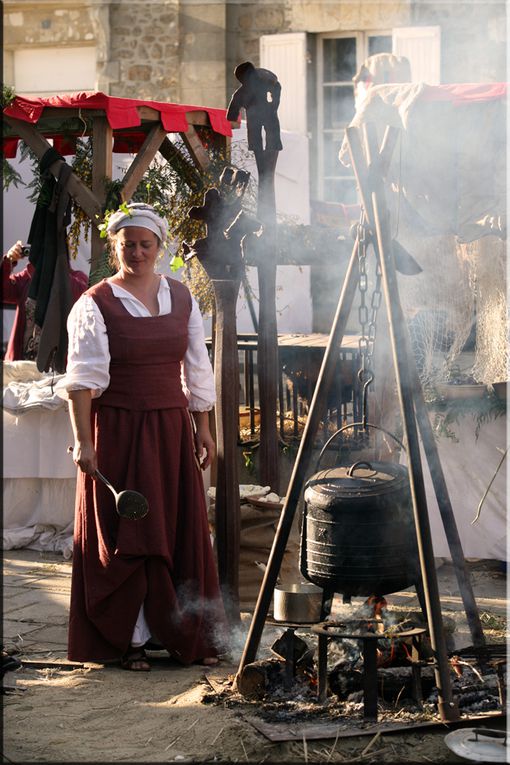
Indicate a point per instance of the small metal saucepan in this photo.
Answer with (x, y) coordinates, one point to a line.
(298, 603)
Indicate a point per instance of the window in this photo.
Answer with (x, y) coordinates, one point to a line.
(316, 73)
(45, 71)
(339, 58)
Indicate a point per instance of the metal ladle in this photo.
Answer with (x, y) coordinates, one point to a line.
(130, 504)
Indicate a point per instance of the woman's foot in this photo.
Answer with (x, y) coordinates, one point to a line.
(209, 661)
(135, 659)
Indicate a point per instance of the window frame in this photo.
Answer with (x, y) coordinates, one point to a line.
(362, 46)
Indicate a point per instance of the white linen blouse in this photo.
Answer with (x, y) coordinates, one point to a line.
(88, 355)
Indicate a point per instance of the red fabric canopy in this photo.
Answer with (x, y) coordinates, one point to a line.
(120, 113)
(462, 93)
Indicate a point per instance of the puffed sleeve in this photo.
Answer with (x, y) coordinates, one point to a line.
(88, 355)
(197, 372)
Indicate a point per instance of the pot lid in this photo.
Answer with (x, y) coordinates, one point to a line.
(360, 475)
(478, 744)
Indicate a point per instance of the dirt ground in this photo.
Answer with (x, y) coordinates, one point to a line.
(57, 712)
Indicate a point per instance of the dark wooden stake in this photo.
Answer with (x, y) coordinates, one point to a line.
(267, 348)
(365, 175)
(226, 373)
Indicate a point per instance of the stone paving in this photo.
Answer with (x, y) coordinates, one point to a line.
(36, 589)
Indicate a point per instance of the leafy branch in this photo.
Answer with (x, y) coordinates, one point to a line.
(482, 411)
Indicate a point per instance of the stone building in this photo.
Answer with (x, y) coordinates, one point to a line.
(186, 50)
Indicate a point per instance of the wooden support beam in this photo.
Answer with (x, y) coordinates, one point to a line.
(142, 161)
(196, 148)
(102, 145)
(84, 196)
(187, 172)
(102, 137)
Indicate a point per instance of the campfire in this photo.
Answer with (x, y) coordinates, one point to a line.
(375, 666)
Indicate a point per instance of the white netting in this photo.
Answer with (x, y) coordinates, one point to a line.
(486, 259)
(438, 304)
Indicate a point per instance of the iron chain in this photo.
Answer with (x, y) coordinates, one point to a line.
(367, 316)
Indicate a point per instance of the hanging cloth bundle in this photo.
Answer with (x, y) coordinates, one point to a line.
(50, 286)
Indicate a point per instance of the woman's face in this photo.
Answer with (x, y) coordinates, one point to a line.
(136, 249)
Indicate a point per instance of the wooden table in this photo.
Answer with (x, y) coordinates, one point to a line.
(300, 358)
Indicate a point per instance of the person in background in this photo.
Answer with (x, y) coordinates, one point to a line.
(23, 340)
(140, 388)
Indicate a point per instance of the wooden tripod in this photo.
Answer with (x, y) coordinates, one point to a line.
(370, 167)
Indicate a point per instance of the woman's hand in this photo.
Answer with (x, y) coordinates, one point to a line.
(15, 252)
(84, 453)
(204, 442)
(85, 457)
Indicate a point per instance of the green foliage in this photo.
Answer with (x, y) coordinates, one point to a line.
(10, 175)
(8, 95)
(249, 462)
(482, 410)
(81, 223)
(163, 186)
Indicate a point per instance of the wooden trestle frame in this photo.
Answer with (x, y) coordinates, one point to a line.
(69, 121)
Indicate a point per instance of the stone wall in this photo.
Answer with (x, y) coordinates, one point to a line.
(473, 38)
(202, 38)
(144, 49)
(186, 50)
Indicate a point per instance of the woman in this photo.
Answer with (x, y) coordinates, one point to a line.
(24, 338)
(137, 361)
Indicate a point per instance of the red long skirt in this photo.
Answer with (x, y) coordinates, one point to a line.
(164, 560)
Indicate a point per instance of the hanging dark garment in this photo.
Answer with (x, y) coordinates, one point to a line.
(51, 285)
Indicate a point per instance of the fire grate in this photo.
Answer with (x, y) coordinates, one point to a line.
(369, 632)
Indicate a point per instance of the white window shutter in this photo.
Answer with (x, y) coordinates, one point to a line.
(285, 55)
(422, 46)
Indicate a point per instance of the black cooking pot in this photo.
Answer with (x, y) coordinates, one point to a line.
(358, 533)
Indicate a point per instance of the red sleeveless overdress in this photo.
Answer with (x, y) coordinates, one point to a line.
(144, 441)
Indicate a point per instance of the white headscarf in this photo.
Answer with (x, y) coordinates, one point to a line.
(142, 215)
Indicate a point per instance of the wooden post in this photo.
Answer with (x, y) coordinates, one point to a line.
(222, 258)
(102, 143)
(87, 200)
(429, 444)
(227, 504)
(267, 349)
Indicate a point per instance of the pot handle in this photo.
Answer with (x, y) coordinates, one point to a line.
(352, 425)
(303, 545)
(353, 467)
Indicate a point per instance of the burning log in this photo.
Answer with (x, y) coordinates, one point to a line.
(260, 677)
(274, 676)
(392, 682)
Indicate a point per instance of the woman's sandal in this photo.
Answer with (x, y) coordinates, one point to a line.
(135, 656)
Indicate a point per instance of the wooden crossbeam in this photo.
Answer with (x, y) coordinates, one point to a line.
(196, 148)
(187, 172)
(84, 196)
(144, 157)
